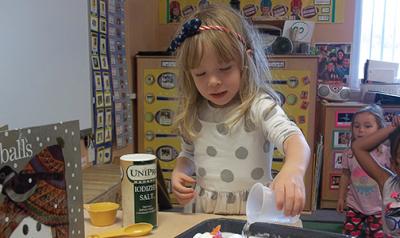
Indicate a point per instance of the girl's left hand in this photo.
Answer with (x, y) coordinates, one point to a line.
(289, 190)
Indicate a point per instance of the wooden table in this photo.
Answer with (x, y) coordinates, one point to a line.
(170, 224)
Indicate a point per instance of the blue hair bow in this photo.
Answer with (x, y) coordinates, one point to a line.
(190, 28)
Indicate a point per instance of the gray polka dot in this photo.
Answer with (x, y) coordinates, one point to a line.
(267, 114)
(214, 195)
(201, 193)
(257, 173)
(249, 125)
(211, 151)
(197, 126)
(241, 153)
(201, 172)
(231, 198)
(266, 147)
(222, 129)
(227, 176)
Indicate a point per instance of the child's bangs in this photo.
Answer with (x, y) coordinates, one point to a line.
(192, 52)
(226, 47)
(222, 43)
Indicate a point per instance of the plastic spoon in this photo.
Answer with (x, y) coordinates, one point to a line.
(138, 229)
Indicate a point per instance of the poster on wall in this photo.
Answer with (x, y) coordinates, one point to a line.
(389, 114)
(344, 118)
(341, 139)
(337, 159)
(334, 181)
(319, 11)
(334, 62)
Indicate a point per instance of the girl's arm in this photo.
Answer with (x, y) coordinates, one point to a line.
(361, 148)
(289, 183)
(343, 185)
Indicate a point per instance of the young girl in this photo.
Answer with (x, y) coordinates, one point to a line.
(363, 199)
(388, 180)
(229, 118)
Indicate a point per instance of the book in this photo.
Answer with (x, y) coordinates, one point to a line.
(40, 182)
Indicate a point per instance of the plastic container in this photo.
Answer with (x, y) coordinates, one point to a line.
(261, 207)
(102, 213)
(256, 229)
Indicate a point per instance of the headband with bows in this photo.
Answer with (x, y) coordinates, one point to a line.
(193, 27)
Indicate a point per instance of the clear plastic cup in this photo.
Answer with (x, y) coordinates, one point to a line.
(261, 207)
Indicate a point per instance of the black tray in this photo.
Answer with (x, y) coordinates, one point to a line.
(274, 230)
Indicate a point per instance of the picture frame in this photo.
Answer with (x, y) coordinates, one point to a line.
(98, 82)
(108, 134)
(341, 139)
(334, 181)
(344, 118)
(99, 136)
(100, 118)
(108, 117)
(95, 62)
(100, 155)
(94, 42)
(334, 60)
(103, 44)
(93, 6)
(103, 25)
(102, 8)
(94, 23)
(107, 155)
(107, 99)
(99, 99)
(106, 81)
(388, 116)
(104, 62)
(337, 157)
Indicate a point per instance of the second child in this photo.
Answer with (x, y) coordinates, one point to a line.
(387, 179)
(362, 199)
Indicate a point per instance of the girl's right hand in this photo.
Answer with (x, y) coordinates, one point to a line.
(340, 205)
(180, 183)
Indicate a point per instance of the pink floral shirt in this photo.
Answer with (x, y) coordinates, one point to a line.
(363, 194)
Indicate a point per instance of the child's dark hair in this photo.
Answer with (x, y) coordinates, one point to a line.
(375, 110)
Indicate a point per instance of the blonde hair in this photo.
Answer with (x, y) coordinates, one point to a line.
(255, 78)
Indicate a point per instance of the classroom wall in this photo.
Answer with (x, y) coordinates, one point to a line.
(44, 64)
(144, 33)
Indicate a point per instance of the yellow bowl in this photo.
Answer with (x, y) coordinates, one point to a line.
(102, 213)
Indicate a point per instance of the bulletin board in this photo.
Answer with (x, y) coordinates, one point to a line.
(319, 11)
(112, 106)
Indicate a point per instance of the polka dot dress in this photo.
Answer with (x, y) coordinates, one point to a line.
(229, 162)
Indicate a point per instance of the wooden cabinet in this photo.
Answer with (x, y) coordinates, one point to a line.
(336, 131)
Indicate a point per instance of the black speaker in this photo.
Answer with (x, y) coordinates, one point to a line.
(282, 46)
